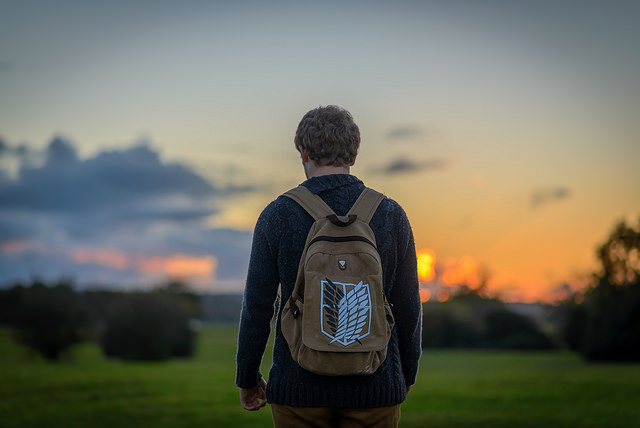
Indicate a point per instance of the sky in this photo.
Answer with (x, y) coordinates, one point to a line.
(140, 140)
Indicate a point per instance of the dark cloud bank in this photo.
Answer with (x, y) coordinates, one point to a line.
(126, 199)
(110, 180)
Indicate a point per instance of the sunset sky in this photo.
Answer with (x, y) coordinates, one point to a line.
(140, 140)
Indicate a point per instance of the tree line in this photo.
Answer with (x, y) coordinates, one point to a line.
(601, 323)
(604, 323)
(152, 325)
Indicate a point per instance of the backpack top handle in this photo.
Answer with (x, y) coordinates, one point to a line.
(363, 209)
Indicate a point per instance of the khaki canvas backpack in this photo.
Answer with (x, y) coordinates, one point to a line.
(338, 321)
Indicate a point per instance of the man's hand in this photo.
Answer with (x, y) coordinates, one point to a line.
(254, 398)
(409, 389)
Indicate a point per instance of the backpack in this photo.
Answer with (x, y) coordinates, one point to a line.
(338, 321)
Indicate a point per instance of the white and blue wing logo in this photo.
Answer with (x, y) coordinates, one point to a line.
(345, 315)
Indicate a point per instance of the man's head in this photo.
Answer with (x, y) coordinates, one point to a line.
(329, 136)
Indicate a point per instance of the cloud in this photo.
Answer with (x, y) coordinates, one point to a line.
(111, 181)
(403, 165)
(132, 257)
(548, 195)
(122, 217)
(5, 66)
(20, 151)
(196, 270)
(404, 132)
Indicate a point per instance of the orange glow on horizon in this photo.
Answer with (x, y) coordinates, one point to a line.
(443, 295)
(179, 266)
(426, 261)
(174, 266)
(461, 271)
(425, 295)
(109, 257)
(14, 247)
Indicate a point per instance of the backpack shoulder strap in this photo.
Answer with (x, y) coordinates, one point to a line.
(366, 204)
(311, 202)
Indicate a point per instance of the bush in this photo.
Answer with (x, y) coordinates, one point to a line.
(470, 321)
(148, 326)
(612, 331)
(441, 328)
(606, 325)
(508, 330)
(10, 302)
(49, 319)
(575, 325)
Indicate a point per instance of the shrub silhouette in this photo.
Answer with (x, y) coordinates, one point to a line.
(612, 330)
(575, 325)
(508, 330)
(441, 328)
(49, 320)
(10, 302)
(606, 325)
(471, 321)
(149, 326)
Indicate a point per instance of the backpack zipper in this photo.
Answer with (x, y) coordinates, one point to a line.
(342, 239)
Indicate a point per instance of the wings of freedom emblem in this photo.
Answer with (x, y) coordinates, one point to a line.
(345, 312)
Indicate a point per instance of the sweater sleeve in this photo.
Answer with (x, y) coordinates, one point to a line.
(406, 300)
(258, 301)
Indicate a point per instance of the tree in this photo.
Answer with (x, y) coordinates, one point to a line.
(508, 330)
(576, 319)
(10, 301)
(606, 325)
(620, 256)
(471, 321)
(149, 326)
(49, 320)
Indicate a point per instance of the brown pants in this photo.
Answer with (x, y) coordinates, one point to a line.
(326, 417)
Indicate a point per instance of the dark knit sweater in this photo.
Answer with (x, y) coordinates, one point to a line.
(278, 242)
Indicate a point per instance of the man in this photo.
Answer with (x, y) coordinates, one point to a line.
(328, 140)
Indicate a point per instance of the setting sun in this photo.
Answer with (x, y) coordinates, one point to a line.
(426, 265)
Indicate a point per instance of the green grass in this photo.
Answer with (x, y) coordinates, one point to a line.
(454, 388)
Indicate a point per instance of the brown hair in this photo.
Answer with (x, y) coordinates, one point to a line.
(329, 135)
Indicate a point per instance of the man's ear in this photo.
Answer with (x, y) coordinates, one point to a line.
(352, 163)
(304, 154)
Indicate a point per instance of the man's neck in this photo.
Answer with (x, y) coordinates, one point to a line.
(313, 170)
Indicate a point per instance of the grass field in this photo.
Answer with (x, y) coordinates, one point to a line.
(454, 388)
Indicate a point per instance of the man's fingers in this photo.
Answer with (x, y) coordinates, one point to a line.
(254, 404)
(254, 398)
(261, 399)
(261, 394)
(249, 402)
(250, 407)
